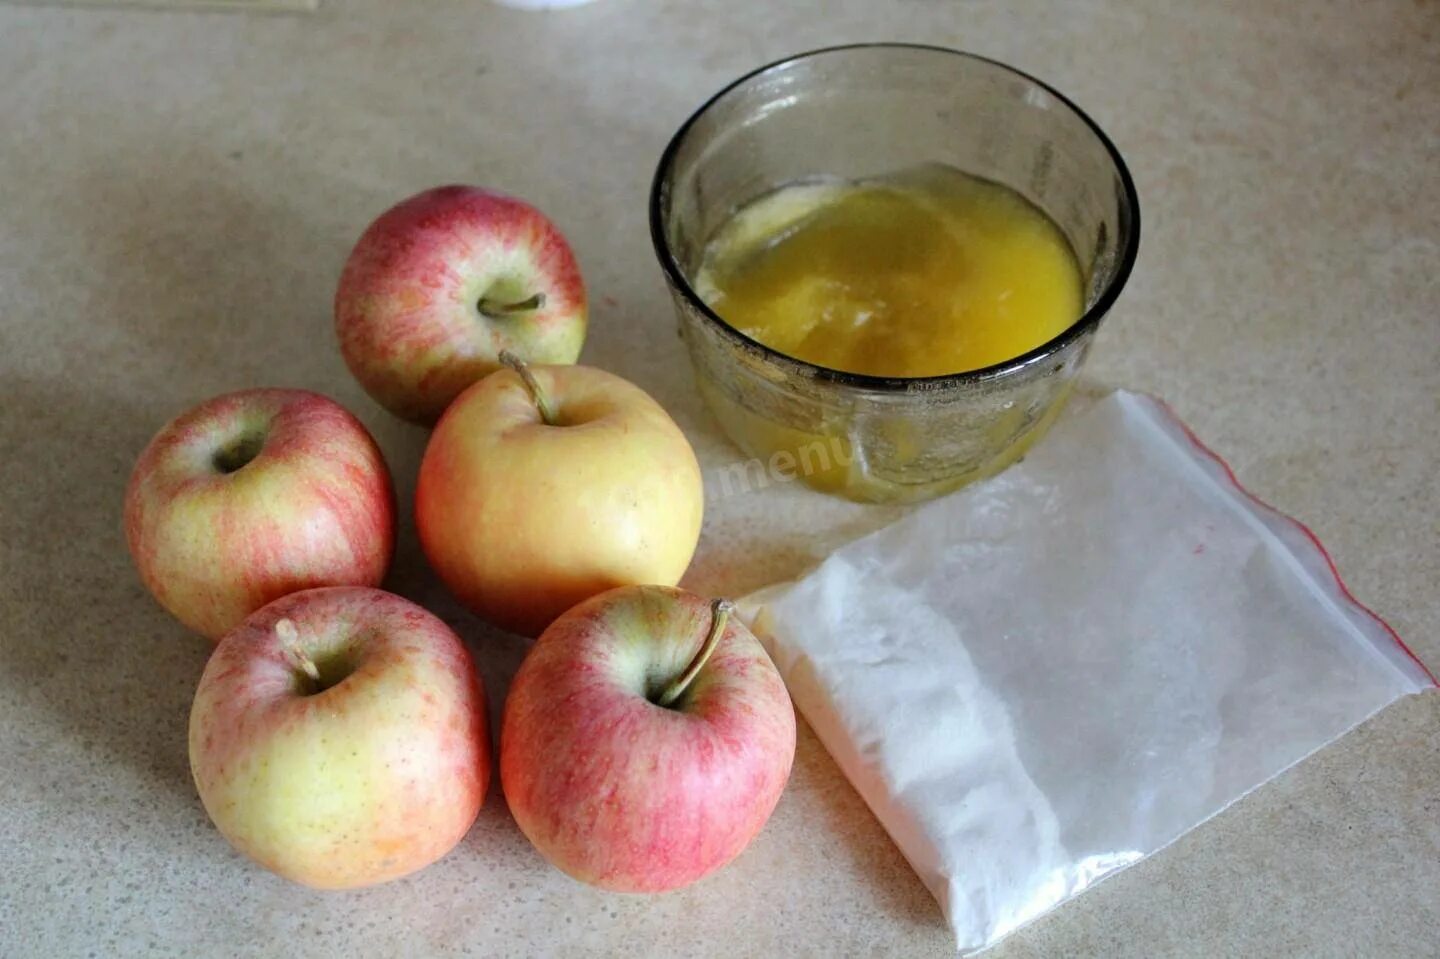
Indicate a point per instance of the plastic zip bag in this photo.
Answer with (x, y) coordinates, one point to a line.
(1044, 678)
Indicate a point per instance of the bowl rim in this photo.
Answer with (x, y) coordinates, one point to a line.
(1083, 325)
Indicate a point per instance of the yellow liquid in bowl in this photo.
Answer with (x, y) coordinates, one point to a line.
(922, 273)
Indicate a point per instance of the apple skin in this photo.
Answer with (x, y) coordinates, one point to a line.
(522, 519)
(627, 795)
(313, 507)
(407, 311)
(370, 779)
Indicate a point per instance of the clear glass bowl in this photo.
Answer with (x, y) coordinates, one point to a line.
(864, 111)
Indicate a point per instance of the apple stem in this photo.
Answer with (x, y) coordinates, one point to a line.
(498, 311)
(720, 610)
(542, 402)
(290, 642)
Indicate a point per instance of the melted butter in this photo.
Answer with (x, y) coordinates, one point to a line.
(921, 273)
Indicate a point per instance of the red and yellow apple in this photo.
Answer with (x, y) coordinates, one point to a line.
(338, 737)
(253, 495)
(544, 486)
(441, 283)
(646, 739)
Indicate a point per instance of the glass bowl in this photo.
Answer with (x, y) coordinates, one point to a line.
(865, 111)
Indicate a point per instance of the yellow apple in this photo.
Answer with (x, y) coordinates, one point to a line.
(338, 737)
(543, 486)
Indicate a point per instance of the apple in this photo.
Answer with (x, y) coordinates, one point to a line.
(338, 737)
(253, 495)
(542, 486)
(645, 740)
(441, 283)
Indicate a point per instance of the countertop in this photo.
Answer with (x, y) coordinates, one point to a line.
(178, 191)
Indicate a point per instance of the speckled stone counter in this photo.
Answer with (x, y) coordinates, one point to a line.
(179, 190)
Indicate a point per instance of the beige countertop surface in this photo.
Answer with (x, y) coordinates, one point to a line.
(178, 192)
